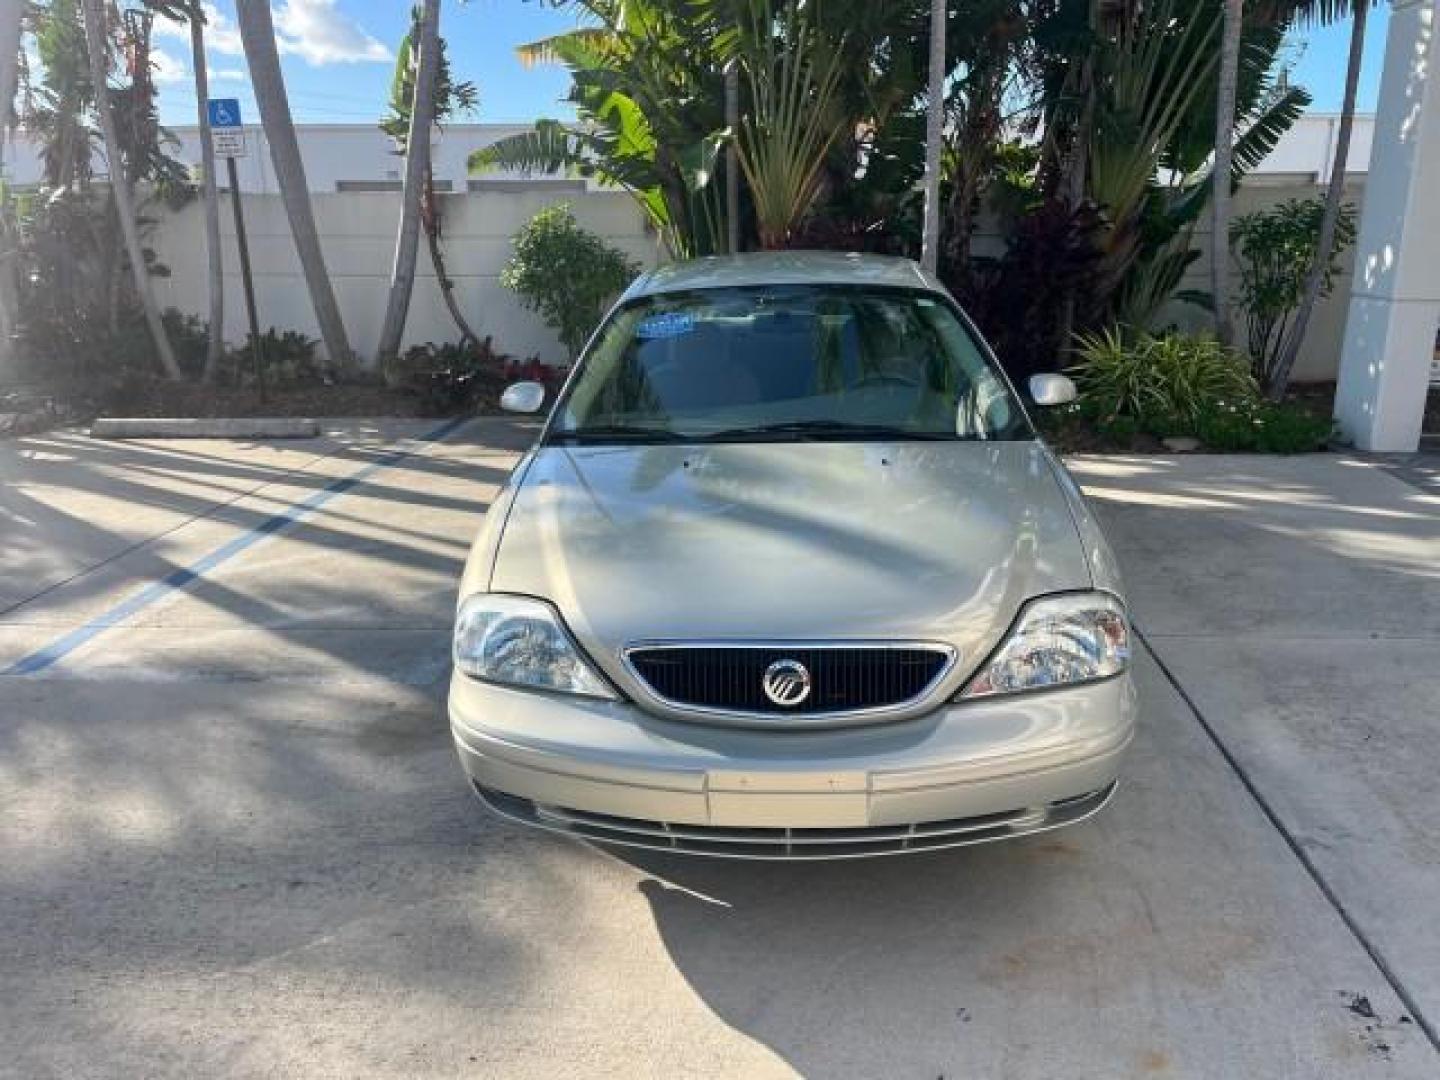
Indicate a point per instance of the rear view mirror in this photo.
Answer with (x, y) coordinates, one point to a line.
(523, 397)
(1052, 390)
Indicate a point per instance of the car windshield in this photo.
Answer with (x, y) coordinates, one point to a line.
(773, 364)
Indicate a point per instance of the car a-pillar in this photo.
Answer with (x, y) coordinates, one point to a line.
(1394, 311)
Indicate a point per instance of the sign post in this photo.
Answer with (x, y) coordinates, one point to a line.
(229, 140)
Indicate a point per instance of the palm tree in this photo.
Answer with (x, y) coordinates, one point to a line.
(215, 346)
(257, 34)
(9, 70)
(1224, 148)
(1327, 10)
(95, 42)
(448, 98)
(934, 136)
(418, 63)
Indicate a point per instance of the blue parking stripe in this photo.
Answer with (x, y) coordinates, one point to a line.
(181, 579)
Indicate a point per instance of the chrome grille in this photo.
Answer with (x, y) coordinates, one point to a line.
(729, 678)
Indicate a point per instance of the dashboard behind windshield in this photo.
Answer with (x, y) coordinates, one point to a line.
(773, 363)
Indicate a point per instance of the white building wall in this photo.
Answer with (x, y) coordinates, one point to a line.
(358, 232)
(358, 237)
(333, 154)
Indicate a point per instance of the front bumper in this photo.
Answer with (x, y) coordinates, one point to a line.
(964, 773)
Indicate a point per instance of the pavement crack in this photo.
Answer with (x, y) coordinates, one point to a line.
(1377, 957)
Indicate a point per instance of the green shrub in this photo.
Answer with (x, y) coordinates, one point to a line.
(566, 273)
(1263, 428)
(1161, 383)
(189, 339)
(289, 358)
(449, 378)
(1274, 249)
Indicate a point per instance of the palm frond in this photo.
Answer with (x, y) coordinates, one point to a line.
(560, 48)
(549, 148)
(1265, 131)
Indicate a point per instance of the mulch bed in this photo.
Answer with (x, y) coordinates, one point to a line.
(31, 409)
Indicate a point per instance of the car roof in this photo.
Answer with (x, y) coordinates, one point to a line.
(784, 268)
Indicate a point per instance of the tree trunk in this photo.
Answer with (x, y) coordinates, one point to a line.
(1220, 176)
(214, 254)
(1334, 194)
(437, 260)
(934, 137)
(417, 160)
(732, 166)
(120, 184)
(9, 71)
(257, 33)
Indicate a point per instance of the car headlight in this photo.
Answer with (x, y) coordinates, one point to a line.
(518, 641)
(1057, 641)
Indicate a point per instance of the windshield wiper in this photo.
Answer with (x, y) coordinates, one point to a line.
(620, 432)
(823, 429)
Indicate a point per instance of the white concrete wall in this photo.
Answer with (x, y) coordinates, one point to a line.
(358, 231)
(333, 154)
(358, 236)
(1319, 358)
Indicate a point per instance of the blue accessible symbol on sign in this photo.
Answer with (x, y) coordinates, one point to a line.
(224, 112)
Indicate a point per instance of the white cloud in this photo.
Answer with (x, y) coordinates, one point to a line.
(319, 33)
(221, 35)
(221, 74)
(166, 69)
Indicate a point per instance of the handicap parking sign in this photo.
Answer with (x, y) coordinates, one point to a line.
(224, 112)
(226, 132)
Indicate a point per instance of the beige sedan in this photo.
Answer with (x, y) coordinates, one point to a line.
(788, 574)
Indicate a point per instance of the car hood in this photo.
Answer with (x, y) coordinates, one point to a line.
(913, 541)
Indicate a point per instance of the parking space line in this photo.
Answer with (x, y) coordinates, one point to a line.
(57, 650)
(1372, 950)
(138, 544)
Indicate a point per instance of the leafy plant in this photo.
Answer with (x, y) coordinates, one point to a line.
(450, 377)
(647, 84)
(1263, 428)
(289, 357)
(566, 273)
(784, 137)
(1275, 248)
(1164, 383)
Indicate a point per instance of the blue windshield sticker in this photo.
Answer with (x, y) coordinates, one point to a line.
(670, 324)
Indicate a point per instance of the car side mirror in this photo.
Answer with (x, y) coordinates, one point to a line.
(523, 397)
(1052, 390)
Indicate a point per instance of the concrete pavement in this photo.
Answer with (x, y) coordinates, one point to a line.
(1298, 602)
(234, 841)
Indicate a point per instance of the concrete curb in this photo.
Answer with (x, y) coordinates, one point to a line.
(264, 427)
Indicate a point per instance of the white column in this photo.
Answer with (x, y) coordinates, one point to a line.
(1395, 299)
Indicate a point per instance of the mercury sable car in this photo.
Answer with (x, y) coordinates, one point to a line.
(788, 574)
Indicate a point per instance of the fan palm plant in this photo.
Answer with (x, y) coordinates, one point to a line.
(793, 72)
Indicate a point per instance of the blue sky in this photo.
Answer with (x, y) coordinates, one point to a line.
(337, 59)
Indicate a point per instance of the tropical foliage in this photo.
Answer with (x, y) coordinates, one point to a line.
(1275, 249)
(1161, 382)
(566, 273)
(1084, 131)
(77, 294)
